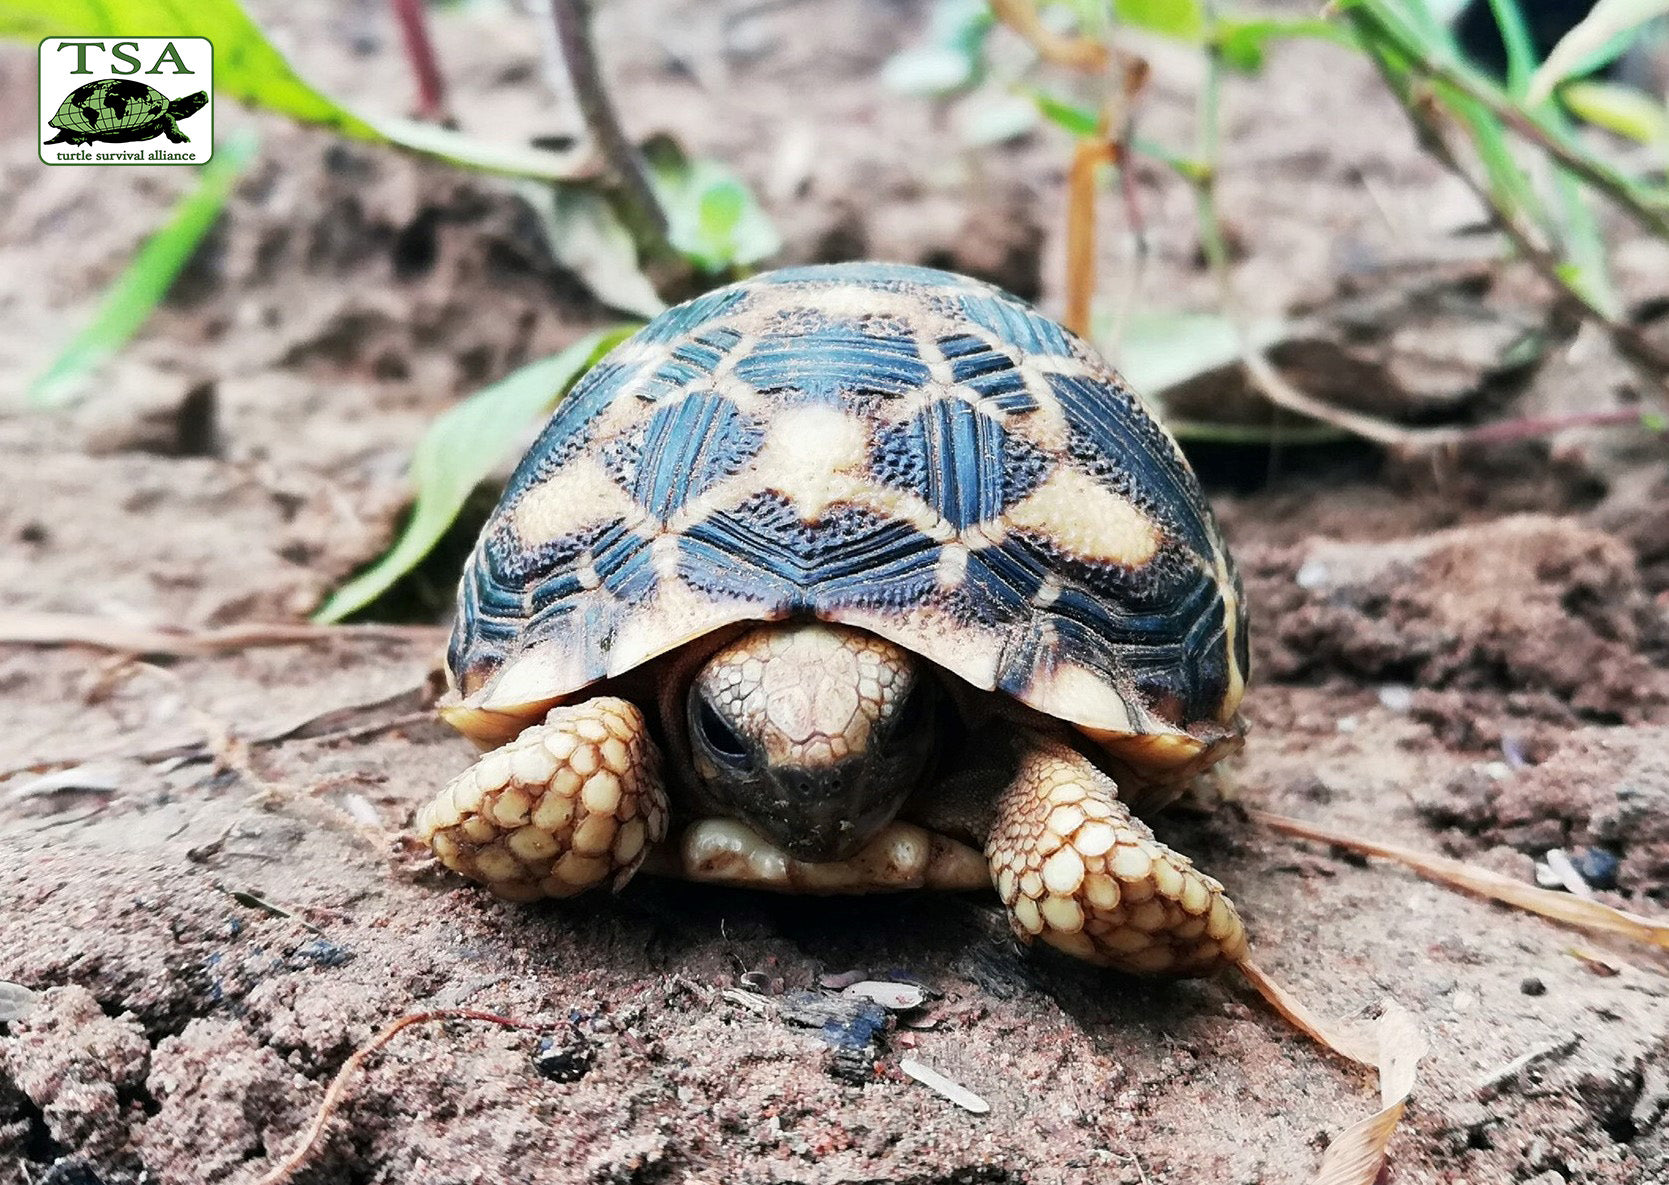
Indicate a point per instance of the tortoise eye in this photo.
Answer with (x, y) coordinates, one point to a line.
(721, 739)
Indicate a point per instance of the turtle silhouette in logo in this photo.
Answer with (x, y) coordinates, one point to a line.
(119, 110)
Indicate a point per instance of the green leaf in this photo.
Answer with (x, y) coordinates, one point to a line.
(1156, 351)
(250, 68)
(952, 56)
(1621, 109)
(1181, 19)
(460, 449)
(1078, 121)
(1609, 19)
(930, 71)
(586, 236)
(986, 119)
(142, 285)
(1515, 39)
(713, 219)
(1243, 43)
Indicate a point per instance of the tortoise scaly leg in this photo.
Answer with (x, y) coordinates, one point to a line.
(567, 805)
(1077, 870)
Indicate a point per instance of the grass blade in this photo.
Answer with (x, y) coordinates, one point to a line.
(458, 452)
(1515, 39)
(141, 287)
(1608, 20)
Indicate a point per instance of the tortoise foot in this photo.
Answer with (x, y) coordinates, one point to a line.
(1077, 870)
(565, 806)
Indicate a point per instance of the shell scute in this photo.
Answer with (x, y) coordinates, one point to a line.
(902, 450)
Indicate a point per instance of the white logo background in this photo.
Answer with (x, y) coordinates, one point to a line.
(176, 66)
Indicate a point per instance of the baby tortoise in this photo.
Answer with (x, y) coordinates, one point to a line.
(848, 579)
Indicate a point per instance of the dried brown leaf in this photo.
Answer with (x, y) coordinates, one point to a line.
(1394, 1048)
(1079, 53)
(1356, 1154)
(1589, 915)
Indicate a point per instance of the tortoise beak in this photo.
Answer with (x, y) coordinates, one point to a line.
(826, 813)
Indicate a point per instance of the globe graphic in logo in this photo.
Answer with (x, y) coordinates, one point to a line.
(119, 110)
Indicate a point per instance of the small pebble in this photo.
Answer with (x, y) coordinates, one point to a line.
(563, 1057)
(16, 1001)
(1531, 986)
(899, 997)
(1396, 697)
(1597, 866)
(952, 1090)
(1313, 574)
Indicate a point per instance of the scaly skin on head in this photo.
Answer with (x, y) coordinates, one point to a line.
(814, 734)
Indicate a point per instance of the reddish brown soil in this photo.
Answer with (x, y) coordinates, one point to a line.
(1466, 654)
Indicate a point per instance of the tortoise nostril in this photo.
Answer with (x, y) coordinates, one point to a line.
(822, 785)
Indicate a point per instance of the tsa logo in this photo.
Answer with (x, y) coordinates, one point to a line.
(127, 101)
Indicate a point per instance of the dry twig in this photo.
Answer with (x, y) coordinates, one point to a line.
(1562, 907)
(572, 19)
(338, 1090)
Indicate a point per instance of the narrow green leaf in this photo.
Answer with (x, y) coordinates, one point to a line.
(930, 71)
(250, 68)
(460, 449)
(1157, 351)
(586, 236)
(1609, 19)
(1181, 19)
(142, 285)
(1077, 121)
(1515, 38)
(950, 58)
(987, 119)
(1623, 110)
(1244, 42)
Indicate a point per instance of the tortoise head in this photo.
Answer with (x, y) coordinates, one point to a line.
(814, 734)
(188, 104)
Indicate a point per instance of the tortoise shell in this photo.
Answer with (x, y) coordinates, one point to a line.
(108, 105)
(898, 449)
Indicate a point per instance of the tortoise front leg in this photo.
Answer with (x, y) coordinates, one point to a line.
(567, 805)
(1077, 870)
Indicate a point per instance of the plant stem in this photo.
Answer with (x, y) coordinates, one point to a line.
(1627, 338)
(1650, 211)
(420, 52)
(573, 38)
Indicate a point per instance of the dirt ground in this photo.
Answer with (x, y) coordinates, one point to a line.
(1466, 654)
